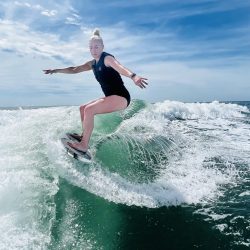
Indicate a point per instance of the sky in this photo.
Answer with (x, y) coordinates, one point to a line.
(190, 51)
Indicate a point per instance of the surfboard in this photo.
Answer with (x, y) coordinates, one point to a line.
(83, 157)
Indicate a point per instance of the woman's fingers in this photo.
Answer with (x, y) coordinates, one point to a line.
(144, 82)
(141, 85)
(141, 82)
(48, 71)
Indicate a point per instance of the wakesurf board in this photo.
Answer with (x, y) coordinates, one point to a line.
(74, 153)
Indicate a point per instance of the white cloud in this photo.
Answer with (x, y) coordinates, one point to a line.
(37, 7)
(73, 20)
(19, 38)
(22, 40)
(28, 5)
(168, 61)
(181, 8)
(49, 13)
(218, 6)
(169, 73)
(127, 47)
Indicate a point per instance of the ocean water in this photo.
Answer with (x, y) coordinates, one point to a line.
(168, 175)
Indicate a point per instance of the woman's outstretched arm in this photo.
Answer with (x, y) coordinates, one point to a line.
(138, 80)
(70, 70)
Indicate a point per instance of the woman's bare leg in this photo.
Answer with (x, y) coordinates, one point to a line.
(82, 108)
(104, 105)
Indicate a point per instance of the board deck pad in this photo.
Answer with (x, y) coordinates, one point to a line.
(69, 135)
(84, 157)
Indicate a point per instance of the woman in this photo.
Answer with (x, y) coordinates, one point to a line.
(107, 71)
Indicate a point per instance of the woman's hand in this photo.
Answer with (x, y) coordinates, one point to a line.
(49, 71)
(140, 81)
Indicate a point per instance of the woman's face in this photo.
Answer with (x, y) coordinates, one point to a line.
(96, 48)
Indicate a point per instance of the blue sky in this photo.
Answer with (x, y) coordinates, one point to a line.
(192, 50)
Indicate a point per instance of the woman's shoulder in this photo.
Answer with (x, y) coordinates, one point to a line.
(108, 60)
(106, 54)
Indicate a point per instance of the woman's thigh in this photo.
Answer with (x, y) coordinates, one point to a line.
(107, 104)
(90, 102)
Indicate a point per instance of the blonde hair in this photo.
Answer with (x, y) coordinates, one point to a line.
(96, 36)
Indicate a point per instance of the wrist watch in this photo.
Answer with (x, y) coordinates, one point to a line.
(132, 75)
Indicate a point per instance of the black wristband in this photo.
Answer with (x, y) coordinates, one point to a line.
(132, 75)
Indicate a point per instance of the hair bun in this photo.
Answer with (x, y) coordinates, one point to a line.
(96, 32)
(96, 36)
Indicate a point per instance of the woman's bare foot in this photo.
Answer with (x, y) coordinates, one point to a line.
(76, 136)
(78, 146)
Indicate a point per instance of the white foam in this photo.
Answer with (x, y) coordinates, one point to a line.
(221, 227)
(25, 216)
(246, 193)
(173, 109)
(183, 179)
(186, 179)
(202, 161)
(71, 237)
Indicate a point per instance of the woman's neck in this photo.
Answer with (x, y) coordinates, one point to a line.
(97, 59)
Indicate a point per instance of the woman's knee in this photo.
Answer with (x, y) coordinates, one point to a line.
(82, 107)
(89, 111)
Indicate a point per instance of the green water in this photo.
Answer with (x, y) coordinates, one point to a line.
(169, 175)
(107, 225)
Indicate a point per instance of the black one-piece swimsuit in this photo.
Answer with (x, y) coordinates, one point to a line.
(109, 79)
